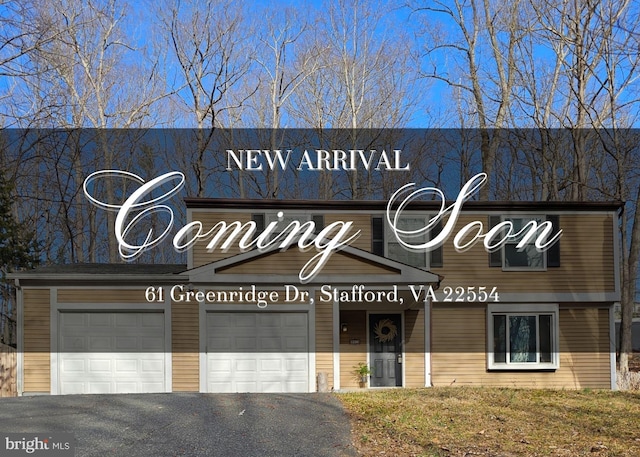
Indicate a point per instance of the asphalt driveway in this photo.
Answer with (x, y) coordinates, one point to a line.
(187, 424)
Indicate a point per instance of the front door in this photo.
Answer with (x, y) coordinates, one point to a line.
(385, 350)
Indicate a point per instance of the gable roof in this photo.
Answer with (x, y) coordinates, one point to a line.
(347, 266)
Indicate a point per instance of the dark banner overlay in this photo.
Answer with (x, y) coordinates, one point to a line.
(69, 185)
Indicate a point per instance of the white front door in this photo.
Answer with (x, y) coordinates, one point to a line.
(257, 352)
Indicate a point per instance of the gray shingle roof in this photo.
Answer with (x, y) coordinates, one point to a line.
(106, 268)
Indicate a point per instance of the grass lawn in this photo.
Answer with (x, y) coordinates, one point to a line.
(462, 421)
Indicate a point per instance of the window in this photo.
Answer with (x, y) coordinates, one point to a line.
(523, 337)
(263, 220)
(527, 258)
(385, 244)
(396, 251)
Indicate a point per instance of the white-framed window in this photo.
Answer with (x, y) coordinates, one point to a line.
(385, 244)
(523, 337)
(286, 219)
(528, 257)
(400, 253)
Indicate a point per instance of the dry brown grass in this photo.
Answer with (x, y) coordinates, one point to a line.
(460, 421)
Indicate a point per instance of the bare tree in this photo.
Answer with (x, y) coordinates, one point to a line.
(359, 86)
(490, 29)
(207, 43)
(86, 74)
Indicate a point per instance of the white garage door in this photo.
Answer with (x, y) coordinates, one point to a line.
(257, 352)
(111, 353)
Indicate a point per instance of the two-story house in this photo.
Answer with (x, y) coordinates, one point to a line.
(234, 321)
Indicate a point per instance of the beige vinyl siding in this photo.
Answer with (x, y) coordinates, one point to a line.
(37, 347)
(185, 347)
(324, 339)
(414, 348)
(459, 350)
(107, 295)
(209, 219)
(361, 222)
(291, 261)
(352, 354)
(586, 259)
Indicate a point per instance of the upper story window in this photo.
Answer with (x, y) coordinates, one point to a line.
(528, 258)
(384, 242)
(396, 251)
(264, 219)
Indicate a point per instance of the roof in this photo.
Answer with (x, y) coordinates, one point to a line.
(89, 273)
(381, 205)
(105, 268)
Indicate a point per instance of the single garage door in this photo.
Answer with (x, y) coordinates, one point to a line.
(257, 352)
(111, 352)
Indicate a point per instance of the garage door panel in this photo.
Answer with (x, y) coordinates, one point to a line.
(73, 320)
(153, 320)
(125, 387)
(100, 343)
(126, 366)
(245, 365)
(126, 343)
(295, 344)
(71, 388)
(111, 352)
(217, 320)
(100, 365)
(73, 366)
(218, 344)
(261, 352)
(96, 387)
(295, 386)
(296, 365)
(244, 320)
(296, 320)
(124, 320)
(270, 344)
(274, 365)
(269, 320)
(155, 344)
(152, 366)
(100, 320)
(244, 343)
(73, 344)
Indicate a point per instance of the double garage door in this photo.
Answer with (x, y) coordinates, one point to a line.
(257, 352)
(124, 352)
(111, 352)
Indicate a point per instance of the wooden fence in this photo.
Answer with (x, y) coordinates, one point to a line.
(8, 371)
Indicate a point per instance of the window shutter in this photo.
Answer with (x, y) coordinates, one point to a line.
(318, 220)
(553, 253)
(377, 236)
(259, 220)
(495, 257)
(436, 259)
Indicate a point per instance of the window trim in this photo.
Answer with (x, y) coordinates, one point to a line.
(524, 310)
(503, 253)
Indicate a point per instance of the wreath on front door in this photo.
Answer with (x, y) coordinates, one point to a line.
(385, 330)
